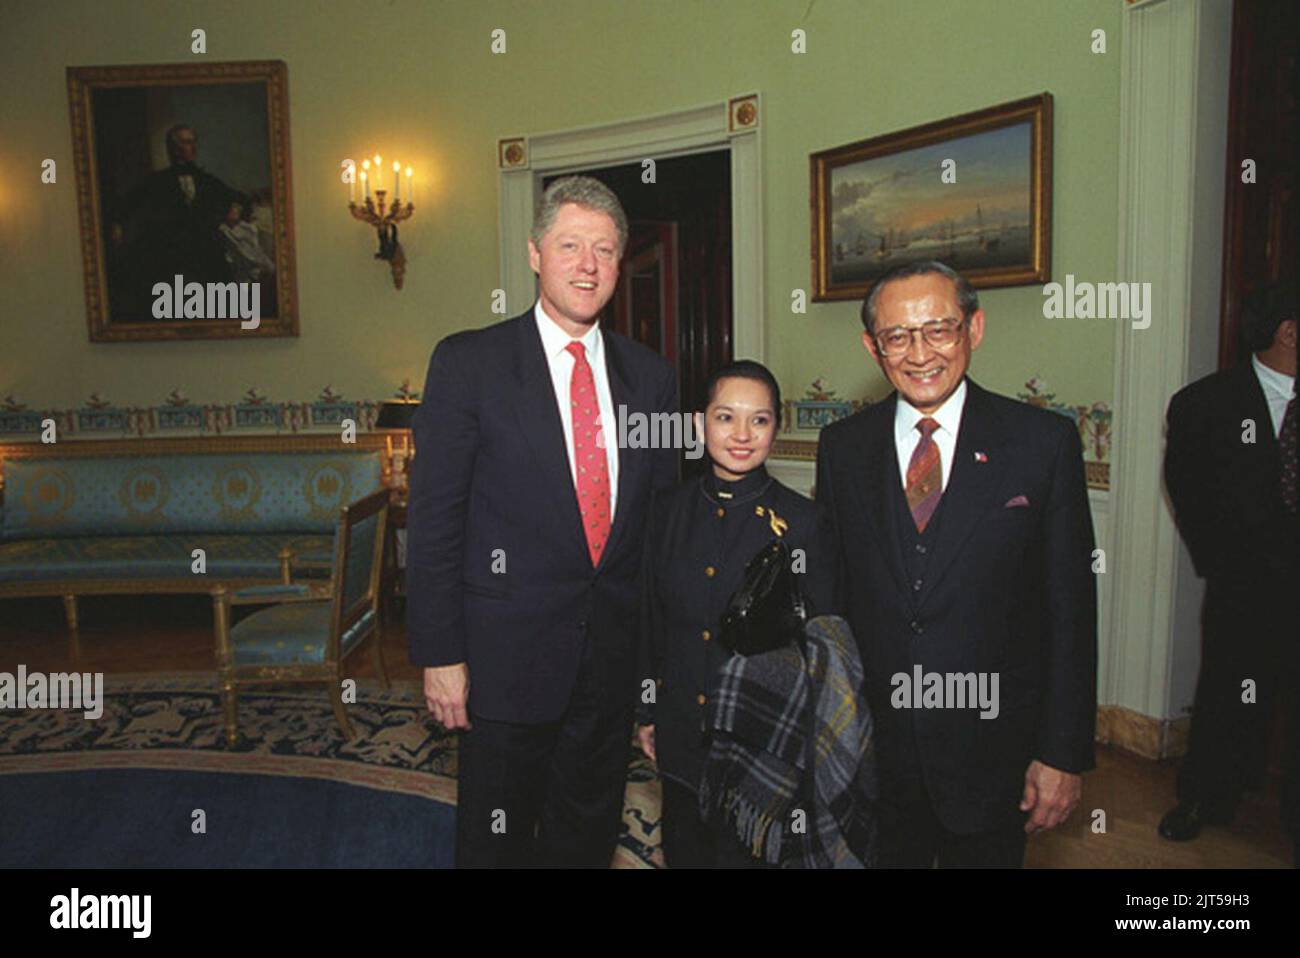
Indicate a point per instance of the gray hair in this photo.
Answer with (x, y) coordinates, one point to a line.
(585, 192)
(967, 300)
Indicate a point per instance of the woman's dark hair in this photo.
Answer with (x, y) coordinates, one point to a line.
(746, 369)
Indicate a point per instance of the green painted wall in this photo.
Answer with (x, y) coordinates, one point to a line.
(417, 81)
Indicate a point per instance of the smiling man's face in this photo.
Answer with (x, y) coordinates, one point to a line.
(924, 376)
(577, 266)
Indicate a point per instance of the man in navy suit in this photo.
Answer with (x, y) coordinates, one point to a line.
(525, 527)
(1230, 467)
(966, 550)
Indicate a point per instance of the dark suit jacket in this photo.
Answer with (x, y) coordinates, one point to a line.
(1007, 590)
(491, 481)
(1227, 493)
(175, 236)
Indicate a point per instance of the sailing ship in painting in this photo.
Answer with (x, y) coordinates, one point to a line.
(891, 241)
(896, 209)
(986, 241)
(967, 239)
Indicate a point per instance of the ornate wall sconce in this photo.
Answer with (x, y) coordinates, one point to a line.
(382, 217)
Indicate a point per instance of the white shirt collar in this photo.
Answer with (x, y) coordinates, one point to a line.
(1280, 384)
(948, 416)
(555, 341)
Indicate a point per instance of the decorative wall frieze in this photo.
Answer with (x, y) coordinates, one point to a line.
(177, 415)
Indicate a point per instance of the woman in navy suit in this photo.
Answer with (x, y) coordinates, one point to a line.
(699, 538)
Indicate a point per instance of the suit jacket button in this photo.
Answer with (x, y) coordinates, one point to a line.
(709, 570)
(700, 698)
(721, 512)
(917, 627)
(706, 635)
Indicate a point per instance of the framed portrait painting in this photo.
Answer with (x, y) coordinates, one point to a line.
(974, 191)
(185, 200)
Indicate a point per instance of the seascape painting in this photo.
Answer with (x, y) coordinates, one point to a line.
(969, 193)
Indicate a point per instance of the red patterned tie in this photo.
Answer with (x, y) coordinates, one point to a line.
(593, 469)
(924, 476)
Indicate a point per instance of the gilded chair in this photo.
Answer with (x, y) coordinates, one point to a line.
(309, 629)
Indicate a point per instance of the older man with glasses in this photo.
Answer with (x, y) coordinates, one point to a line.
(965, 545)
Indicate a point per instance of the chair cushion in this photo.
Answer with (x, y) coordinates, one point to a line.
(149, 557)
(294, 633)
(199, 492)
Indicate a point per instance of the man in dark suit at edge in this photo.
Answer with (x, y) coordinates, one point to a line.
(525, 528)
(1230, 468)
(966, 548)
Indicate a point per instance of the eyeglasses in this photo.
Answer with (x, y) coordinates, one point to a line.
(897, 340)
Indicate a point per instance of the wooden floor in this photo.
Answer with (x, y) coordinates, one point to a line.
(174, 633)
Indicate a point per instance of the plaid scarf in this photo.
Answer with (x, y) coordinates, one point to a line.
(791, 765)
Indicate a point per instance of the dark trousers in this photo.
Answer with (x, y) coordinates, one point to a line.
(911, 836)
(689, 843)
(1247, 633)
(547, 794)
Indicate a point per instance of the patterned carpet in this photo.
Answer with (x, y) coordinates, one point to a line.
(167, 721)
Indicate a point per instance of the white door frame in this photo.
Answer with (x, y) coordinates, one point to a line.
(731, 125)
(1173, 121)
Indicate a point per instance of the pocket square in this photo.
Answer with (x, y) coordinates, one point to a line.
(1017, 502)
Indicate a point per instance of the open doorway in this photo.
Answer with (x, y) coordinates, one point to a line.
(674, 289)
(1262, 217)
(723, 132)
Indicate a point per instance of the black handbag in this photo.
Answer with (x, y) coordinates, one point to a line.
(768, 611)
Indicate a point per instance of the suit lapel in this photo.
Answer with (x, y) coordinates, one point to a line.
(971, 484)
(875, 460)
(630, 462)
(539, 420)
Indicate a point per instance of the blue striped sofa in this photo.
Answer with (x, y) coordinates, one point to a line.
(88, 517)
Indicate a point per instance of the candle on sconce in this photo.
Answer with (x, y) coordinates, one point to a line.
(352, 188)
(384, 210)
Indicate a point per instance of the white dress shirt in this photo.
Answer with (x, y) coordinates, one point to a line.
(555, 342)
(1278, 390)
(907, 437)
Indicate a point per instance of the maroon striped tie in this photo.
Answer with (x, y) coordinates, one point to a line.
(924, 476)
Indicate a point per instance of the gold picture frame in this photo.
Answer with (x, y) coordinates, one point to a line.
(974, 191)
(148, 208)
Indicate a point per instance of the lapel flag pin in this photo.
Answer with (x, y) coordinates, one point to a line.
(981, 457)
